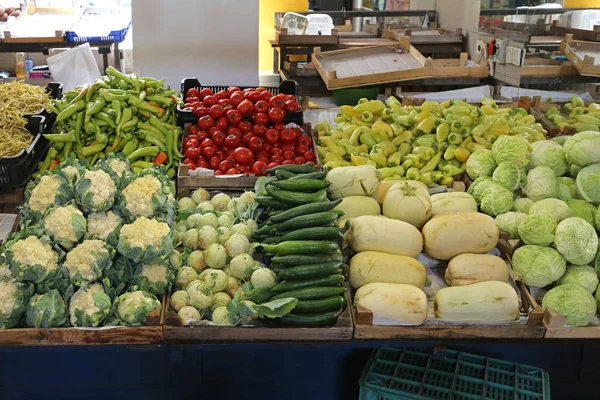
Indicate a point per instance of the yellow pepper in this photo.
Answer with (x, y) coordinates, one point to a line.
(480, 129)
(432, 163)
(379, 158)
(437, 176)
(389, 172)
(461, 154)
(412, 173)
(407, 164)
(348, 111)
(332, 146)
(426, 178)
(449, 153)
(367, 139)
(447, 180)
(395, 159)
(417, 160)
(500, 129)
(335, 164)
(355, 136)
(373, 106)
(384, 127)
(482, 141)
(359, 160)
(442, 132)
(426, 125)
(473, 147)
(404, 137)
(488, 110)
(465, 142)
(334, 157)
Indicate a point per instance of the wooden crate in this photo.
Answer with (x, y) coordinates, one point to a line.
(539, 110)
(187, 183)
(458, 68)
(425, 36)
(554, 322)
(372, 76)
(282, 37)
(579, 34)
(11, 199)
(534, 329)
(149, 334)
(174, 332)
(585, 56)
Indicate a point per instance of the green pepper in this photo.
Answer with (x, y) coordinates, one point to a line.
(154, 140)
(169, 146)
(96, 106)
(176, 133)
(171, 173)
(53, 108)
(70, 110)
(62, 137)
(129, 125)
(142, 164)
(116, 106)
(52, 154)
(80, 95)
(93, 149)
(151, 151)
(101, 137)
(126, 139)
(79, 126)
(114, 73)
(165, 101)
(102, 116)
(366, 139)
(130, 147)
(67, 150)
(125, 118)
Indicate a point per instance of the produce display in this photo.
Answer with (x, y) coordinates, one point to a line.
(117, 113)
(16, 100)
(576, 116)
(429, 143)
(95, 247)
(241, 132)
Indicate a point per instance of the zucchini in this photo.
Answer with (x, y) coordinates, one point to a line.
(311, 293)
(295, 198)
(283, 175)
(319, 233)
(310, 271)
(268, 201)
(312, 175)
(301, 185)
(293, 168)
(334, 303)
(290, 261)
(308, 221)
(304, 209)
(303, 247)
(331, 280)
(311, 319)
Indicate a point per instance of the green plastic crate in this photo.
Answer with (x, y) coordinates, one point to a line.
(350, 96)
(418, 374)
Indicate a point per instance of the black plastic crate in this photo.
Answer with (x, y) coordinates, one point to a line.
(55, 91)
(16, 171)
(286, 87)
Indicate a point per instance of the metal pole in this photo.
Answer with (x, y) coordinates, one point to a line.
(357, 21)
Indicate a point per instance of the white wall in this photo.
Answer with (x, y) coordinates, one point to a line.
(214, 40)
(455, 14)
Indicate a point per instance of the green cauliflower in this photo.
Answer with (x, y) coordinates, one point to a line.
(133, 307)
(89, 306)
(46, 310)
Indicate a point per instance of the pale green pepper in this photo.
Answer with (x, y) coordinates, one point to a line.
(395, 159)
(389, 172)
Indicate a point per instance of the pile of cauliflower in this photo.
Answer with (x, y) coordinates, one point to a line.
(95, 247)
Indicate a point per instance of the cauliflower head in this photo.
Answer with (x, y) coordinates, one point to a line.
(32, 260)
(46, 310)
(145, 239)
(104, 225)
(118, 277)
(95, 191)
(155, 278)
(133, 307)
(147, 194)
(46, 191)
(86, 262)
(14, 297)
(66, 225)
(89, 306)
(116, 165)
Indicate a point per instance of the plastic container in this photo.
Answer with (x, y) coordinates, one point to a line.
(55, 91)
(16, 171)
(21, 72)
(418, 374)
(350, 96)
(295, 24)
(286, 87)
(319, 24)
(116, 23)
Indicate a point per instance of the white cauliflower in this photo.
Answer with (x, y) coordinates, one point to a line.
(138, 195)
(89, 306)
(102, 188)
(131, 303)
(44, 194)
(59, 223)
(120, 167)
(84, 262)
(31, 251)
(72, 172)
(145, 232)
(8, 291)
(101, 224)
(155, 272)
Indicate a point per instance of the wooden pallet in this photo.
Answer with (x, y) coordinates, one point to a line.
(458, 68)
(534, 329)
(582, 55)
(371, 77)
(282, 37)
(174, 332)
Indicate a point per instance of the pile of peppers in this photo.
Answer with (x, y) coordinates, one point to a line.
(430, 143)
(117, 113)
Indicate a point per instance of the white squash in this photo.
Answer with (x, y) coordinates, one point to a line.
(444, 203)
(372, 266)
(372, 233)
(448, 235)
(402, 303)
(361, 180)
(484, 301)
(384, 187)
(408, 201)
(466, 269)
(356, 206)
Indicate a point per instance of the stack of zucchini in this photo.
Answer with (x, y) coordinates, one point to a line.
(301, 243)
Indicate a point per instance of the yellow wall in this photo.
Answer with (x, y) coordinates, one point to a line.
(266, 15)
(581, 3)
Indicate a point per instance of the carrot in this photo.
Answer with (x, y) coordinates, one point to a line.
(53, 164)
(160, 158)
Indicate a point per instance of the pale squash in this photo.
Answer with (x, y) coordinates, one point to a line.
(373, 266)
(384, 187)
(408, 201)
(356, 206)
(444, 203)
(448, 235)
(469, 268)
(403, 303)
(360, 180)
(483, 301)
(372, 233)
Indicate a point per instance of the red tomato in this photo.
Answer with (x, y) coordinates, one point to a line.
(246, 138)
(187, 161)
(278, 101)
(245, 126)
(287, 162)
(222, 124)
(192, 99)
(262, 154)
(276, 115)
(213, 130)
(234, 117)
(202, 164)
(233, 89)
(255, 144)
(291, 97)
(205, 92)
(221, 154)
(309, 156)
(200, 111)
(243, 156)
(202, 135)
(206, 143)
(304, 141)
(261, 119)
(236, 98)
(208, 152)
(279, 127)
(261, 106)
(299, 160)
(206, 122)
(272, 136)
(259, 130)
(254, 96)
(221, 95)
(277, 159)
(267, 147)
(260, 89)
(187, 106)
(225, 165)
(192, 92)
(227, 107)
(214, 162)
(300, 150)
(245, 107)
(272, 164)
(233, 171)
(224, 102)
(232, 141)
(289, 155)
(234, 131)
(276, 151)
(245, 169)
(266, 95)
(292, 105)
(218, 172)
(197, 104)
(287, 147)
(259, 168)
(192, 153)
(191, 167)
(193, 130)
(191, 142)
(229, 154)
(287, 136)
(265, 160)
(219, 138)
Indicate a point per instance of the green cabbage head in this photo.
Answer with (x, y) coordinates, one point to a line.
(522, 204)
(583, 275)
(576, 240)
(541, 184)
(557, 209)
(582, 209)
(478, 187)
(509, 222)
(46, 310)
(481, 163)
(549, 154)
(572, 301)
(583, 148)
(537, 229)
(512, 148)
(538, 266)
(587, 183)
(496, 200)
(511, 175)
(567, 188)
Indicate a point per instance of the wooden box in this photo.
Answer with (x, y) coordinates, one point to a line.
(585, 56)
(282, 37)
(458, 68)
(539, 110)
(370, 65)
(425, 36)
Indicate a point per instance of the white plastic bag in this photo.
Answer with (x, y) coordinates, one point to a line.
(74, 67)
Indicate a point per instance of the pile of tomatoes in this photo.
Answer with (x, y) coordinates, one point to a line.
(241, 132)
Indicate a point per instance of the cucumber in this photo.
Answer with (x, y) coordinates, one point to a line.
(268, 201)
(283, 175)
(303, 247)
(272, 240)
(311, 319)
(307, 221)
(304, 210)
(310, 271)
(331, 280)
(290, 261)
(301, 185)
(258, 295)
(320, 233)
(345, 268)
(311, 293)
(266, 230)
(312, 175)
(275, 212)
(334, 303)
(293, 168)
(295, 198)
